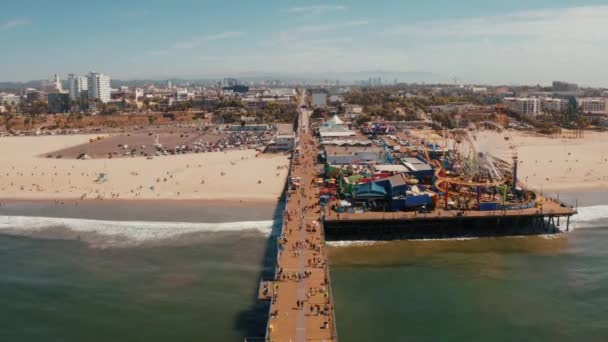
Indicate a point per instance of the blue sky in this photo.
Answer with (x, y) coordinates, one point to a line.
(511, 41)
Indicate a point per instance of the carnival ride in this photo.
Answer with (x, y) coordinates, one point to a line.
(468, 170)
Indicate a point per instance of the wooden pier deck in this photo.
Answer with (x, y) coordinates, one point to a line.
(302, 307)
(546, 207)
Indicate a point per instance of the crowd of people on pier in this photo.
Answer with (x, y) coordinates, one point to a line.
(302, 243)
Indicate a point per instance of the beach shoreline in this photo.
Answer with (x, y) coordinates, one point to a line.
(235, 175)
(206, 211)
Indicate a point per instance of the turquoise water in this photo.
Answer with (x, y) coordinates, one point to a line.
(510, 289)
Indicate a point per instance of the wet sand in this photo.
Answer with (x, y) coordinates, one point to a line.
(144, 210)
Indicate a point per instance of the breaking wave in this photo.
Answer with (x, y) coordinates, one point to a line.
(353, 243)
(590, 217)
(123, 233)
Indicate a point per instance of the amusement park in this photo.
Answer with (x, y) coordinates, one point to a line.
(381, 170)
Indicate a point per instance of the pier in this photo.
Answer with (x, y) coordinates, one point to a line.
(548, 216)
(301, 301)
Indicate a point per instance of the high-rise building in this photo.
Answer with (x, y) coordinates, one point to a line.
(99, 87)
(76, 85)
(564, 86)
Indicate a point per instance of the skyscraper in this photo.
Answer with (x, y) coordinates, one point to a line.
(99, 87)
(76, 85)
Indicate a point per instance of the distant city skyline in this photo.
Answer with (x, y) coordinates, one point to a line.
(515, 42)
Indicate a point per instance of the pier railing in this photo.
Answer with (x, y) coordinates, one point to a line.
(278, 255)
(333, 327)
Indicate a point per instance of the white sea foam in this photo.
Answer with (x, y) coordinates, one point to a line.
(360, 243)
(353, 243)
(589, 217)
(126, 232)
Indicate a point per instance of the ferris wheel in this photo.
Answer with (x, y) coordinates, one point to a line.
(473, 163)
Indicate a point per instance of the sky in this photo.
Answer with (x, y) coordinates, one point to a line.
(477, 41)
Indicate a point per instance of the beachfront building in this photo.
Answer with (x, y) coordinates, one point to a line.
(551, 104)
(99, 87)
(523, 105)
(592, 105)
(77, 85)
(284, 139)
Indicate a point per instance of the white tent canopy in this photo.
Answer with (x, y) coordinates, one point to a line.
(336, 120)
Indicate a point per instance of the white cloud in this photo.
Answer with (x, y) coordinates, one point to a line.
(589, 23)
(316, 9)
(521, 47)
(7, 25)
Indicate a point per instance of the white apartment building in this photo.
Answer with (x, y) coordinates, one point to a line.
(9, 99)
(523, 105)
(353, 108)
(281, 92)
(139, 93)
(550, 104)
(594, 105)
(99, 87)
(184, 95)
(76, 85)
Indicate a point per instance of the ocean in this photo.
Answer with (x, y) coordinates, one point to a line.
(194, 276)
(119, 277)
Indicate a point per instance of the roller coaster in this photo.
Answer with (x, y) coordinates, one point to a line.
(468, 171)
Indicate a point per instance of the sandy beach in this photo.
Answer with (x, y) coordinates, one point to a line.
(232, 175)
(555, 164)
